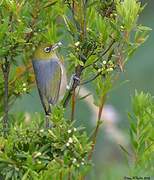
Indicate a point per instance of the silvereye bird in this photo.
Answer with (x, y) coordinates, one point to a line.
(50, 76)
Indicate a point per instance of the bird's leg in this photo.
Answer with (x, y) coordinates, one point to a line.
(75, 78)
(48, 122)
(48, 116)
(47, 119)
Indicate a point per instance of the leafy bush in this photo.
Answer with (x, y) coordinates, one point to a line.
(140, 155)
(45, 153)
(142, 132)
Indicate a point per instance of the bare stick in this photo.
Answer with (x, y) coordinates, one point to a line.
(92, 79)
(78, 71)
(6, 70)
(73, 105)
(97, 126)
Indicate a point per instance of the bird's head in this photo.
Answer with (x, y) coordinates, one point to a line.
(45, 52)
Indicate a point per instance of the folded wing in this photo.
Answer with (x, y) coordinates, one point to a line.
(48, 79)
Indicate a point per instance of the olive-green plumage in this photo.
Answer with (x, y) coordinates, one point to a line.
(40, 53)
(50, 75)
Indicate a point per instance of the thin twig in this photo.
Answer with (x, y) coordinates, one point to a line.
(94, 137)
(83, 97)
(6, 70)
(92, 79)
(79, 68)
(78, 71)
(61, 176)
(81, 177)
(69, 175)
(73, 105)
(84, 19)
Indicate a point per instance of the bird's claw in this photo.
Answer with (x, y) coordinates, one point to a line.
(73, 78)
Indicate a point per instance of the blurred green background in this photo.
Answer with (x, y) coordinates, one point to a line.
(109, 161)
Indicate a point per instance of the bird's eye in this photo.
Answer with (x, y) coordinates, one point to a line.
(47, 49)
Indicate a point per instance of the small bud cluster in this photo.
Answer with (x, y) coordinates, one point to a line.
(70, 140)
(71, 130)
(21, 88)
(24, 87)
(78, 162)
(107, 66)
(77, 46)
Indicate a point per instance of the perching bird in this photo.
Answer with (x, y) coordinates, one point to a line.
(50, 76)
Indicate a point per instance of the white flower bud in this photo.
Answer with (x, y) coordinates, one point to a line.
(24, 89)
(67, 144)
(69, 131)
(110, 69)
(42, 130)
(104, 62)
(74, 160)
(70, 140)
(77, 43)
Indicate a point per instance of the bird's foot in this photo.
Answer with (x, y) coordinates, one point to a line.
(48, 123)
(72, 80)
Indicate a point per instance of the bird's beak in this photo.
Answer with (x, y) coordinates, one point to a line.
(55, 46)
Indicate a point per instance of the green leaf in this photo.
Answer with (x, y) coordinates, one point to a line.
(132, 122)
(70, 26)
(124, 150)
(144, 28)
(128, 11)
(9, 174)
(49, 4)
(25, 176)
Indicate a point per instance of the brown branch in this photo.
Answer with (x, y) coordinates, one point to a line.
(94, 137)
(73, 7)
(69, 175)
(79, 68)
(6, 69)
(78, 71)
(61, 176)
(73, 105)
(81, 177)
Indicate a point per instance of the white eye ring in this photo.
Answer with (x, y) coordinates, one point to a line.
(47, 49)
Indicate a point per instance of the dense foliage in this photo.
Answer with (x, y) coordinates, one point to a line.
(34, 152)
(141, 133)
